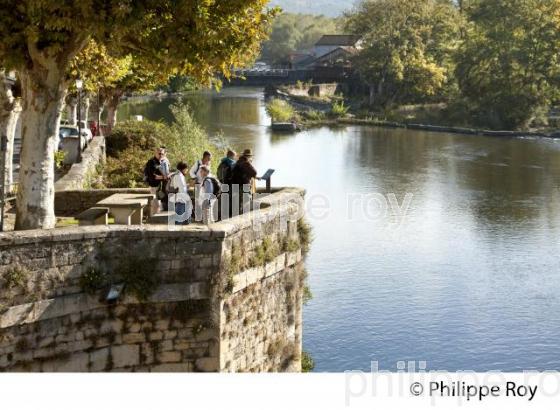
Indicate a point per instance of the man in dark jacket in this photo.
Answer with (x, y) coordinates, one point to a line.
(244, 175)
(154, 175)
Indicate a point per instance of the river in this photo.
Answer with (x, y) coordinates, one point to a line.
(468, 278)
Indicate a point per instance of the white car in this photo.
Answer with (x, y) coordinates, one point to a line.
(70, 131)
(86, 132)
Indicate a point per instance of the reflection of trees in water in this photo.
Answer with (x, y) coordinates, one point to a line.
(501, 181)
(158, 110)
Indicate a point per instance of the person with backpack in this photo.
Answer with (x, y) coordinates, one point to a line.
(178, 184)
(225, 168)
(195, 170)
(156, 171)
(243, 174)
(210, 191)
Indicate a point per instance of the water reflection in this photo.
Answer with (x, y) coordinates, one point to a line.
(471, 278)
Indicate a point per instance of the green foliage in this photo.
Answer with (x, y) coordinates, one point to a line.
(186, 140)
(338, 109)
(290, 245)
(314, 115)
(139, 277)
(59, 159)
(305, 234)
(92, 280)
(307, 362)
(407, 47)
(143, 135)
(291, 32)
(280, 110)
(132, 144)
(15, 277)
(508, 67)
(307, 294)
(264, 253)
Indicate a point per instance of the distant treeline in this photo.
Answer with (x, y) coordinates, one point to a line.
(292, 32)
(495, 62)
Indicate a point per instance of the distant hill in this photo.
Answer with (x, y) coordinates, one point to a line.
(331, 8)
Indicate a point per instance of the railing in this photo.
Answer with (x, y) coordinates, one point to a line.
(273, 72)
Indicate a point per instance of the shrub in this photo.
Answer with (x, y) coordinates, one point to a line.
(305, 234)
(15, 277)
(92, 280)
(338, 109)
(132, 144)
(315, 115)
(59, 159)
(307, 362)
(280, 110)
(126, 170)
(139, 277)
(143, 135)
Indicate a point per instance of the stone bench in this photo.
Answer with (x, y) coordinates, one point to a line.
(94, 216)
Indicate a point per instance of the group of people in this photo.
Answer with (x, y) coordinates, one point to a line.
(233, 175)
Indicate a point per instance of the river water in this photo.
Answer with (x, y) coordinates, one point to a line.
(468, 278)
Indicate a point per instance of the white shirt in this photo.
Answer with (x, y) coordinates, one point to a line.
(179, 181)
(195, 171)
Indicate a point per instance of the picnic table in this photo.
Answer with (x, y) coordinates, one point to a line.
(127, 209)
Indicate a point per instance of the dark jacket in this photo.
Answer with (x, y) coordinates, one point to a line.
(243, 172)
(153, 168)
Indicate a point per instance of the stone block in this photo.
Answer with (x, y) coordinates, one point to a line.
(98, 359)
(169, 357)
(125, 355)
(172, 368)
(207, 364)
(131, 338)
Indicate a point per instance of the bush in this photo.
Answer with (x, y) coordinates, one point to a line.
(132, 144)
(280, 110)
(338, 109)
(307, 362)
(144, 135)
(314, 115)
(127, 169)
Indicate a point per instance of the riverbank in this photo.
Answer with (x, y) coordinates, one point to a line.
(323, 105)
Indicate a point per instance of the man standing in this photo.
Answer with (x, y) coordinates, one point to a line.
(154, 175)
(209, 191)
(244, 175)
(225, 168)
(195, 170)
(178, 192)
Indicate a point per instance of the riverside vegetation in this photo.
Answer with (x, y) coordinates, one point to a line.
(132, 143)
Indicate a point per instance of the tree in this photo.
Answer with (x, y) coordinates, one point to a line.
(97, 69)
(10, 109)
(40, 38)
(406, 49)
(292, 32)
(509, 65)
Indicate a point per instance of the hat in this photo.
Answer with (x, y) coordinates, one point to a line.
(205, 167)
(247, 153)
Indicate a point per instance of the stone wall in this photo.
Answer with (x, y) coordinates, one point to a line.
(198, 298)
(80, 174)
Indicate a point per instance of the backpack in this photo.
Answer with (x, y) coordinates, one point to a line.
(224, 172)
(216, 186)
(169, 187)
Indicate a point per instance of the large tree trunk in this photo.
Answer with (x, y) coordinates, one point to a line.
(10, 110)
(112, 103)
(43, 90)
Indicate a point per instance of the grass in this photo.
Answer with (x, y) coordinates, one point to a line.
(305, 234)
(307, 362)
(280, 110)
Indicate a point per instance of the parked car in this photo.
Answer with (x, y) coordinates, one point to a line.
(86, 132)
(69, 131)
